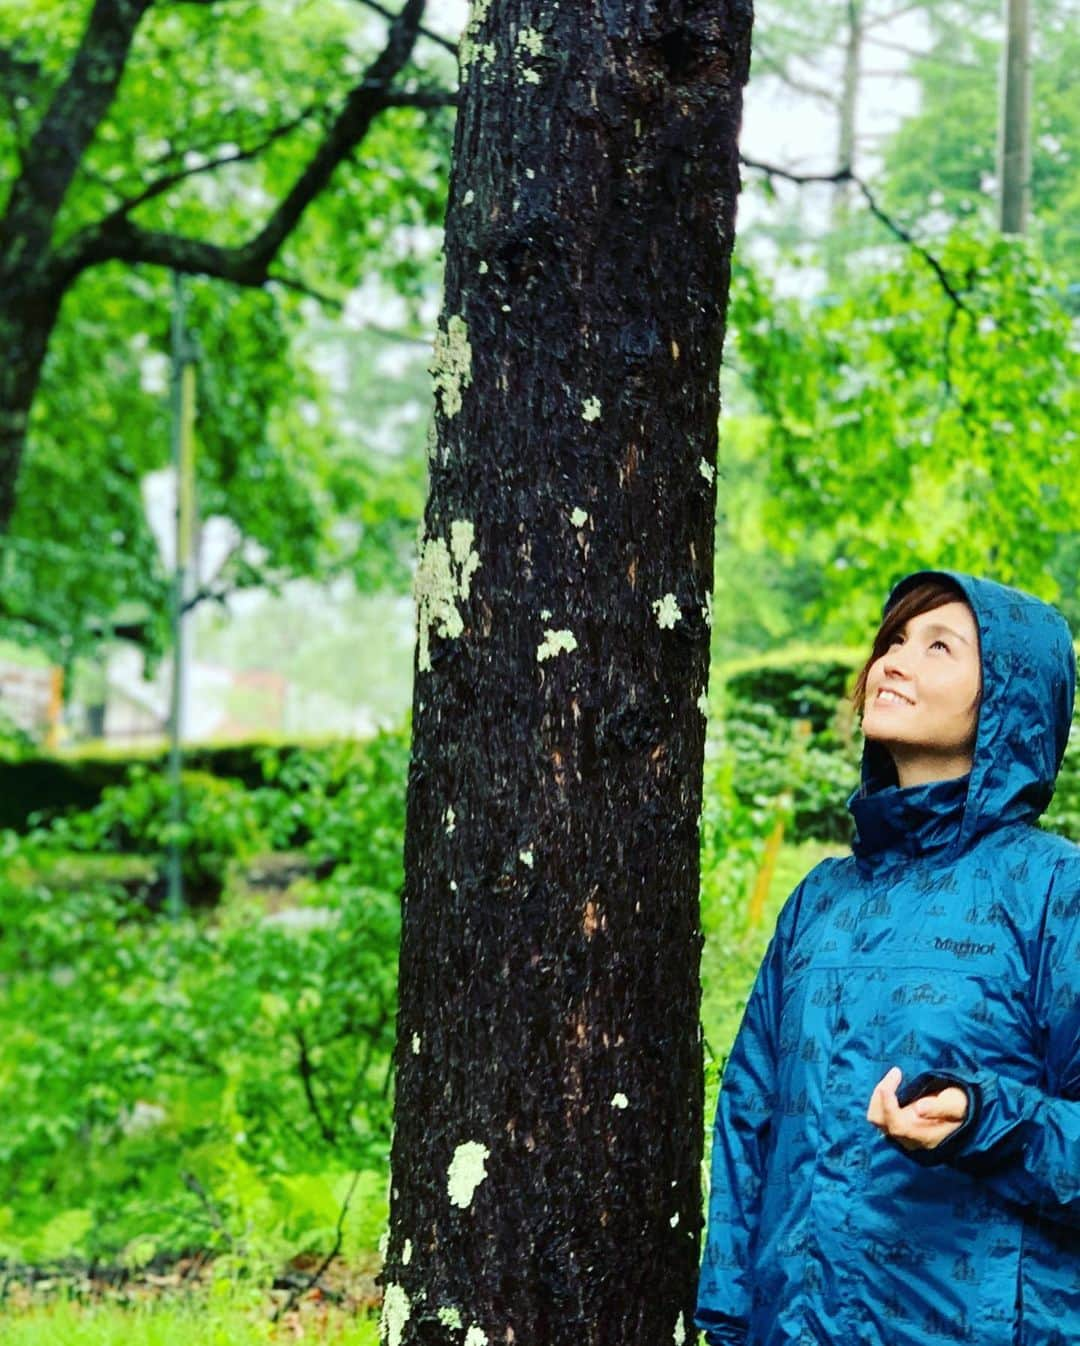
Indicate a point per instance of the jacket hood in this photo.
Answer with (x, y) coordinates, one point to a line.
(1028, 685)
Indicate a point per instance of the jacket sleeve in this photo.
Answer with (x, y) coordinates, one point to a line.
(741, 1135)
(1023, 1140)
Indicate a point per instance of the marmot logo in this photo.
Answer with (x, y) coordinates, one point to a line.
(963, 948)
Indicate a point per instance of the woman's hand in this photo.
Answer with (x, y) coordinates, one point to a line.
(925, 1122)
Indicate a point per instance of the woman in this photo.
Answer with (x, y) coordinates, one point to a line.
(896, 1155)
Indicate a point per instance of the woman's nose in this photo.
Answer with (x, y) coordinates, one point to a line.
(893, 662)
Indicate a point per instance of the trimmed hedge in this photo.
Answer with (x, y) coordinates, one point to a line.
(51, 786)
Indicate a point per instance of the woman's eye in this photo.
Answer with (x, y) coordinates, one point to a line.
(942, 644)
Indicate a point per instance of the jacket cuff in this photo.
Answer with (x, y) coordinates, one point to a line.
(933, 1082)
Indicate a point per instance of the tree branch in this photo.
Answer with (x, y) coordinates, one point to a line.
(169, 180)
(302, 1289)
(66, 130)
(429, 33)
(307, 1076)
(779, 71)
(116, 238)
(897, 230)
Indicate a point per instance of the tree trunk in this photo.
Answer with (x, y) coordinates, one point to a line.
(27, 317)
(546, 1159)
(1014, 169)
(840, 214)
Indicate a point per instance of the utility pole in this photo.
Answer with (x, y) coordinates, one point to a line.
(1014, 167)
(183, 455)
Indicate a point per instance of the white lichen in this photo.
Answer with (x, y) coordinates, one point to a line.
(555, 642)
(468, 198)
(578, 517)
(443, 576)
(395, 1314)
(451, 365)
(531, 40)
(590, 409)
(674, 1220)
(545, 614)
(530, 76)
(526, 858)
(703, 703)
(448, 819)
(406, 1253)
(707, 470)
(482, 269)
(679, 1335)
(462, 535)
(667, 611)
(416, 1044)
(706, 610)
(466, 1172)
(449, 1317)
(476, 1336)
(530, 173)
(469, 50)
(384, 1243)
(453, 885)
(620, 1101)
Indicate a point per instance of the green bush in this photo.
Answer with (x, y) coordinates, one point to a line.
(210, 1081)
(218, 823)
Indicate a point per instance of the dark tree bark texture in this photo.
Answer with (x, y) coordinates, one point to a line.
(545, 1185)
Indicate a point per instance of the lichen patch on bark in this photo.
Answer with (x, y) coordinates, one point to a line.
(395, 1314)
(555, 642)
(443, 576)
(451, 365)
(667, 611)
(466, 1172)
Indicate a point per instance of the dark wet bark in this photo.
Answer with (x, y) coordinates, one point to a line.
(546, 1159)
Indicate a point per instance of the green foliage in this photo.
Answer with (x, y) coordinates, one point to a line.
(306, 495)
(229, 1314)
(941, 163)
(215, 1079)
(902, 431)
(218, 823)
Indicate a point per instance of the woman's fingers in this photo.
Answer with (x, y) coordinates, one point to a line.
(922, 1124)
(948, 1106)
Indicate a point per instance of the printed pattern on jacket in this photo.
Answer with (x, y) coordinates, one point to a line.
(947, 944)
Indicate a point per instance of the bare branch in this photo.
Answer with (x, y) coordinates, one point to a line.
(328, 301)
(779, 71)
(170, 180)
(429, 33)
(897, 230)
(297, 1291)
(307, 1077)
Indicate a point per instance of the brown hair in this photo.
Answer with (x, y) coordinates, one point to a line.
(922, 598)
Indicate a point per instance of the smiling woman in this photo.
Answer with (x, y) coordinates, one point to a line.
(896, 1155)
(919, 690)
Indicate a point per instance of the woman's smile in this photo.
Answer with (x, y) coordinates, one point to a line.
(887, 696)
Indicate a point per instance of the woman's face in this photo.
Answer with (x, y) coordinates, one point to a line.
(922, 692)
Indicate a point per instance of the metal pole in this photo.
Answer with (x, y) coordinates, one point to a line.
(183, 442)
(1014, 167)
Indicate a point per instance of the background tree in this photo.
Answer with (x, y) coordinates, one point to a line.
(142, 137)
(548, 1068)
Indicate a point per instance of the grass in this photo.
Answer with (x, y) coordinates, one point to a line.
(209, 1320)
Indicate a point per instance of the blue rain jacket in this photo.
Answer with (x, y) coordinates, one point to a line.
(948, 944)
